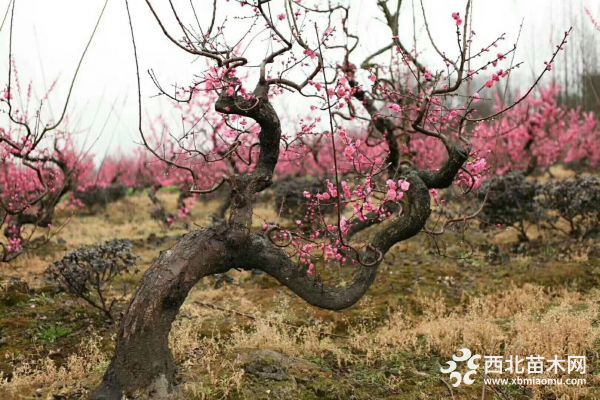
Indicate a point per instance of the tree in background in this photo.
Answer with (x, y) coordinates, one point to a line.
(39, 163)
(538, 133)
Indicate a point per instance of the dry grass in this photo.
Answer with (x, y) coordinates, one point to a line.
(522, 321)
(519, 321)
(37, 376)
(399, 329)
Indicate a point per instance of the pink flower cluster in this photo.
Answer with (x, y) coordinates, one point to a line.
(456, 17)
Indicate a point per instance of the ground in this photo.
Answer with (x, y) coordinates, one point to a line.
(250, 338)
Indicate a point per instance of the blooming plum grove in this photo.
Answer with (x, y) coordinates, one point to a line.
(368, 124)
(297, 94)
(384, 128)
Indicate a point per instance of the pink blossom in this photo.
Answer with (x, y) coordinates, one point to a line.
(310, 53)
(349, 152)
(394, 107)
(391, 195)
(404, 185)
(456, 18)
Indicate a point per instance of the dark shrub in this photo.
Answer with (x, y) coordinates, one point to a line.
(575, 200)
(290, 201)
(101, 197)
(89, 271)
(510, 201)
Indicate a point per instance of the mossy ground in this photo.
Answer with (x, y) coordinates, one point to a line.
(484, 291)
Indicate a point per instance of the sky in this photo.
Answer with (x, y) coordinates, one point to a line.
(49, 37)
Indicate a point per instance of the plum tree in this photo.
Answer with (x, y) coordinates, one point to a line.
(388, 99)
(539, 133)
(39, 163)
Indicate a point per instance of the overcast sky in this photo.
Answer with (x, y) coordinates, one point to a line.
(50, 35)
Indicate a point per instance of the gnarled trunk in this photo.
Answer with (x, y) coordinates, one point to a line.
(142, 357)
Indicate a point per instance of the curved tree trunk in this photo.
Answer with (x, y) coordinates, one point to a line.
(142, 357)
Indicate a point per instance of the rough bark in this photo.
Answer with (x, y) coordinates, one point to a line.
(142, 359)
(142, 356)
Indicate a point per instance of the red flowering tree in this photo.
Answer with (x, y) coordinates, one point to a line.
(387, 99)
(539, 133)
